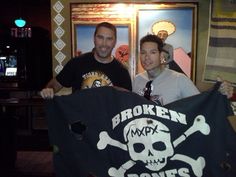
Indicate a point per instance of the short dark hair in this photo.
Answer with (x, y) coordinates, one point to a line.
(152, 38)
(106, 25)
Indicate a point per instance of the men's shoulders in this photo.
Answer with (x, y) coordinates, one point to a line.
(117, 65)
(171, 75)
(87, 55)
(142, 75)
(117, 62)
(168, 71)
(187, 85)
(139, 82)
(83, 58)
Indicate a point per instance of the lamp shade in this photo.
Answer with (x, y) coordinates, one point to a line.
(20, 22)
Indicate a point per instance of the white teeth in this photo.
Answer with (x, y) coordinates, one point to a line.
(103, 49)
(147, 63)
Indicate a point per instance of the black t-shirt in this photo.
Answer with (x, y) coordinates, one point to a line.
(86, 72)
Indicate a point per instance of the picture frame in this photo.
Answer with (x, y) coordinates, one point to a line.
(180, 24)
(134, 20)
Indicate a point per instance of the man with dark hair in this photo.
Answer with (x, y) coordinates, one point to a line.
(81, 72)
(106, 25)
(159, 83)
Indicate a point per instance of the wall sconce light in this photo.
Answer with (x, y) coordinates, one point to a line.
(20, 22)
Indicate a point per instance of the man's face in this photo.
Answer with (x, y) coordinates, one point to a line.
(104, 42)
(163, 35)
(150, 56)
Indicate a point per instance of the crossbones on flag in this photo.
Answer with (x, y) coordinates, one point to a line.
(104, 132)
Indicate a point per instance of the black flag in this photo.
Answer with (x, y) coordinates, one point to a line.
(104, 132)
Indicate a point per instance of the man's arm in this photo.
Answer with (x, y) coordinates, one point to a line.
(52, 87)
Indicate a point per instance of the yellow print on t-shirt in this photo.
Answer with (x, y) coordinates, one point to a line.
(95, 79)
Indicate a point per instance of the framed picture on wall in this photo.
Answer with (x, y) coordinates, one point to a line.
(133, 21)
(176, 26)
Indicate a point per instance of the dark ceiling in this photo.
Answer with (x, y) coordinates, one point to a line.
(35, 12)
(29, 2)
